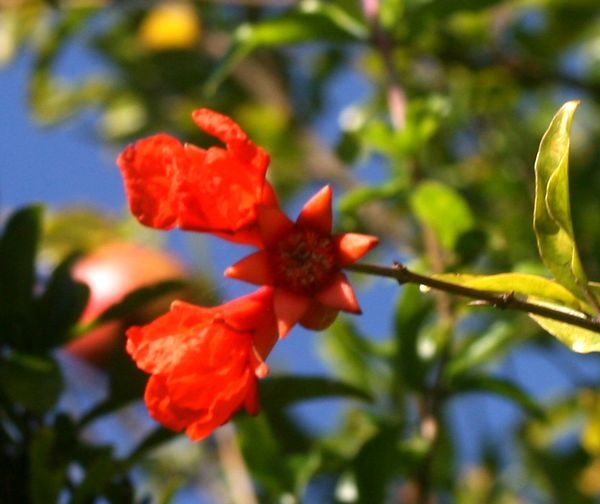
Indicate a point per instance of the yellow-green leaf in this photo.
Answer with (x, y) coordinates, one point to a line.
(531, 286)
(576, 338)
(552, 214)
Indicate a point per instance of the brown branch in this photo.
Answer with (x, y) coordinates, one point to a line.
(503, 300)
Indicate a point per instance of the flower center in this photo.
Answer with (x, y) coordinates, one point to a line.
(304, 260)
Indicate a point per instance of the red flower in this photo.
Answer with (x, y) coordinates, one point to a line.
(303, 262)
(205, 362)
(170, 184)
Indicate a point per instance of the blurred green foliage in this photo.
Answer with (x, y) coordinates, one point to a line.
(436, 156)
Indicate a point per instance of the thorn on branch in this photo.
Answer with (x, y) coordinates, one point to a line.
(504, 300)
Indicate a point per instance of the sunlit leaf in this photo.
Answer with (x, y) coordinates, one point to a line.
(442, 209)
(520, 283)
(576, 338)
(552, 214)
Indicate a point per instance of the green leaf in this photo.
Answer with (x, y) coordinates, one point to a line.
(98, 476)
(552, 214)
(263, 455)
(576, 338)
(499, 386)
(520, 283)
(281, 391)
(33, 382)
(442, 209)
(60, 306)
(46, 475)
(482, 348)
(314, 21)
(348, 352)
(18, 248)
(352, 200)
(376, 463)
(412, 312)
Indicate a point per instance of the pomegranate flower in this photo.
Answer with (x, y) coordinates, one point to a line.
(205, 362)
(303, 261)
(170, 184)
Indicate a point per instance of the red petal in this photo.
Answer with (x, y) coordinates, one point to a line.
(339, 295)
(273, 224)
(151, 168)
(254, 269)
(230, 133)
(160, 345)
(316, 213)
(352, 246)
(289, 309)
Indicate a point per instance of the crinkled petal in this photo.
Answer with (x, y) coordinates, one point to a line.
(161, 407)
(352, 246)
(316, 213)
(160, 345)
(289, 309)
(152, 168)
(230, 133)
(339, 295)
(220, 193)
(255, 269)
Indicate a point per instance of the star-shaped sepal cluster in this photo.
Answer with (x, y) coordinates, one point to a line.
(303, 263)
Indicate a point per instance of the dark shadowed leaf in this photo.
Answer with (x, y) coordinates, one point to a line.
(18, 247)
(47, 477)
(412, 312)
(31, 381)
(376, 462)
(60, 306)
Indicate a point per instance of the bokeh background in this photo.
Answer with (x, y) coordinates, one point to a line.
(425, 117)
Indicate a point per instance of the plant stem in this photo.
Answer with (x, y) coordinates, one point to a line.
(503, 300)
